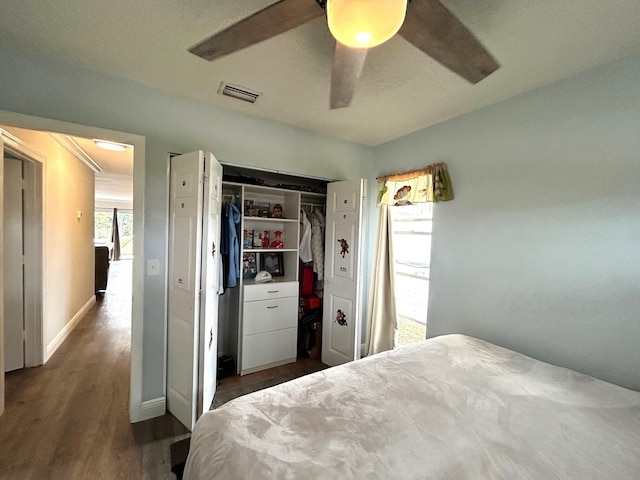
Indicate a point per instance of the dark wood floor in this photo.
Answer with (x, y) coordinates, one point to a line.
(236, 385)
(69, 419)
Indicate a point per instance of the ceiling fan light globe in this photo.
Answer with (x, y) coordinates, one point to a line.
(365, 23)
(363, 38)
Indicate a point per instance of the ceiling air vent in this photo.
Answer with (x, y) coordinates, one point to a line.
(238, 92)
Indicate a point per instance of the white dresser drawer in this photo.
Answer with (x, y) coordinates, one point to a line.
(264, 291)
(269, 347)
(266, 315)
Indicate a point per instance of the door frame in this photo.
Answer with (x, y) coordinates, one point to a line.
(138, 410)
(34, 169)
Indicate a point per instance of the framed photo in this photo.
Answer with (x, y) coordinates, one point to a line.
(276, 239)
(249, 267)
(249, 210)
(272, 263)
(261, 239)
(261, 209)
(247, 239)
(275, 210)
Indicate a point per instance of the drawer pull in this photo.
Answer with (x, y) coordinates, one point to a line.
(274, 306)
(273, 291)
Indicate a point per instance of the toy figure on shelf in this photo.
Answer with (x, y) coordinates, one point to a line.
(277, 241)
(265, 239)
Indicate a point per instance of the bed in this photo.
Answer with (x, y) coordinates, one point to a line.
(451, 407)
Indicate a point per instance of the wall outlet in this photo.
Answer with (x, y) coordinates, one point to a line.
(153, 267)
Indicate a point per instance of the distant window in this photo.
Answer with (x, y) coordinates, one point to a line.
(411, 227)
(103, 224)
(125, 225)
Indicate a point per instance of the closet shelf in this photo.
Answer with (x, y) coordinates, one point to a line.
(270, 250)
(271, 220)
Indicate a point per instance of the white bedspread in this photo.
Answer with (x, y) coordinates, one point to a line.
(452, 407)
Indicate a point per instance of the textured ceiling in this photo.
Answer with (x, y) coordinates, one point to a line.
(401, 89)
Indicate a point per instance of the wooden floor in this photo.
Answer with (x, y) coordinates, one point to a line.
(236, 385)
(69, 419)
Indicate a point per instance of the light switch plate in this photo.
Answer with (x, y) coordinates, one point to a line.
(153, 267)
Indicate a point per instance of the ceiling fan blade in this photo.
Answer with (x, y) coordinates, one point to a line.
(436, 31)
(347, 67)
(269, 22)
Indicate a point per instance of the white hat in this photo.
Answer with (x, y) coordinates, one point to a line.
(263, 276)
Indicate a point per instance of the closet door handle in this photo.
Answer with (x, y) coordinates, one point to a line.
(274, 306)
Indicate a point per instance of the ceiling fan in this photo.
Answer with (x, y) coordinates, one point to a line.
(427, 24)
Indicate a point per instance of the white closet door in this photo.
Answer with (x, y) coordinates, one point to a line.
(210, 282)
(191, 281)
(342, 308)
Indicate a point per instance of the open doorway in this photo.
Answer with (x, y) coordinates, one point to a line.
(77, 176)
(11, 120)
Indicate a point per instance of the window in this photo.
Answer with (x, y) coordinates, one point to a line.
(411, 226)
(103, 223)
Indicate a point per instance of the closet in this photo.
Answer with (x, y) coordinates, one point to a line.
(229, 224)
(260, 322)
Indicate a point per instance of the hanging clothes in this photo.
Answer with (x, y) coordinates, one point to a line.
(224, 246)
(230, 246)
(304, 250)
(317, 242)
(220, 265)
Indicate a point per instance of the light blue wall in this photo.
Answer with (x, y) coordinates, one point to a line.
(540, 250)
(33, 86)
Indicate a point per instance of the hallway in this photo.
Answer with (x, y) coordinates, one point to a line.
(69, 419)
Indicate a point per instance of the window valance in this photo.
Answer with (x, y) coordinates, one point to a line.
(429, 184)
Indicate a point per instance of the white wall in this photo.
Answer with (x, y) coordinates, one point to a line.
(68, 277)
(540, 250)
(35, 86)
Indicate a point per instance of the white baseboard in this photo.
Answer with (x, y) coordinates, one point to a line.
(155, 407)
(67, 329)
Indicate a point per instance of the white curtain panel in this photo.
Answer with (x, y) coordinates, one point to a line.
(382, 324)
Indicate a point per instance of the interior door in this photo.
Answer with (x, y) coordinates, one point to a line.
(342, 309)
(12, 271)
(210, 282)
(191, 280)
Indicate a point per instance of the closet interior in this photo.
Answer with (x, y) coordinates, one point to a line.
(271, 222)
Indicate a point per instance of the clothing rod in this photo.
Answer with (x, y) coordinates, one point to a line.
(312, 204)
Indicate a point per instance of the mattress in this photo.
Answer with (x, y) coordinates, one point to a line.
(451, 407)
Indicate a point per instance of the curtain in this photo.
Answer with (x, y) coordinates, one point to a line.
(430, 184)
(115, 237)
(382, 324)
